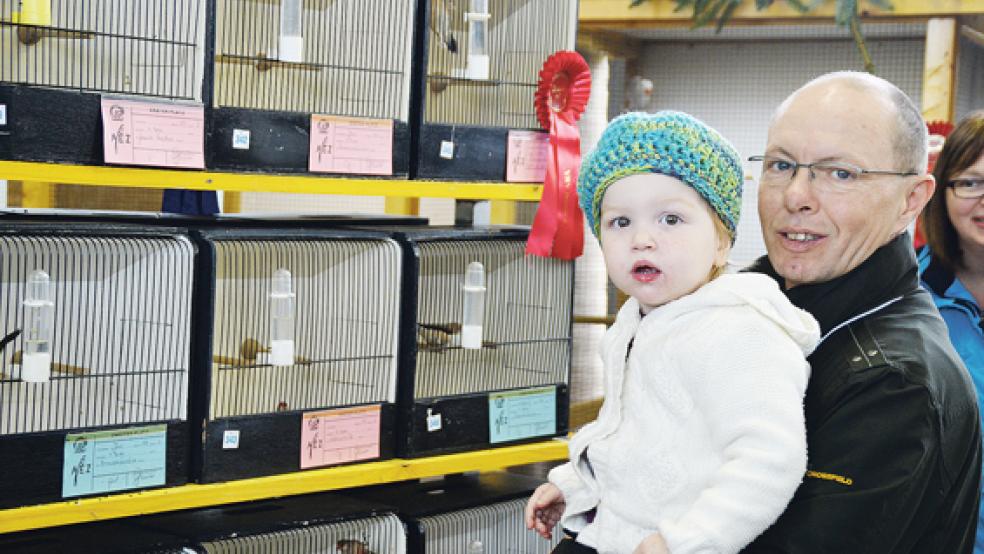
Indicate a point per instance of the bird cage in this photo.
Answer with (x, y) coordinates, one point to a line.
(94, 359)
(324, 523)
(278, 62)
(465, 514)
(482, 64)
(57, 57)
(486, 351)
(374, 535)
(113, 536)
(300, 357)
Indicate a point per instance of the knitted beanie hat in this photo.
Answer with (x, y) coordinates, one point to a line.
(670, 143)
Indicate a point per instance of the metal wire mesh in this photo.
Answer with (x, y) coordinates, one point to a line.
(347, 319)
(356, 58)
(120, 347)
(494, 528)
(526, 329)
(375, 535)
(139, 47)
(518, 44)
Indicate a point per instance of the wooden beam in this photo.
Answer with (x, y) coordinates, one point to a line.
(615, 14)
(399, 205)
(938, 69)
(232, 202)
(503, 212)
(37, 194)
(614, 44)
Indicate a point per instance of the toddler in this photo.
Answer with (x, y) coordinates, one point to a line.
(700, 442)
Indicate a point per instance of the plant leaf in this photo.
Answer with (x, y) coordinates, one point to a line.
(800, 6)
(700, 7)
(636, 3)
(709, 14)
(763, 4)
(846, 11)
(682, 4)
(883, 4)
(726, 15)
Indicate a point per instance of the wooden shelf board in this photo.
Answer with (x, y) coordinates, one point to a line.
(333, 478)
(263, 182)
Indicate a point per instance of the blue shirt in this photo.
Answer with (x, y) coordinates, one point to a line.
(963, 321)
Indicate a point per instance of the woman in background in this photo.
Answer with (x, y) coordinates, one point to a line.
(951, 265)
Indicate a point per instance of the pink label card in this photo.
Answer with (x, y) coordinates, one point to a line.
(351, 145)
(155, 134)
(332, 437)
(526, 156)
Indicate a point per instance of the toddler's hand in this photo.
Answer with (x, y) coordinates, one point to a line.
(653, 544)
(544, 509)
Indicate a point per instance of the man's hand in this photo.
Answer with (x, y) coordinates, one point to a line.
(544, 509)
(653, 544)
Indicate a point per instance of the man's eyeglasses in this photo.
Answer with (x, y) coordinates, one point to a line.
(838, 176)
(967, 188)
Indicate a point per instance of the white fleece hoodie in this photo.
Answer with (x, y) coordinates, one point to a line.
(701, 437)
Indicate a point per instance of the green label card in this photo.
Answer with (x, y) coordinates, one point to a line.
(522, 414)
(108, 461)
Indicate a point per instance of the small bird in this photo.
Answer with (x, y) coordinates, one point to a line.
(352, 546)
(438, 336)
(58, 367)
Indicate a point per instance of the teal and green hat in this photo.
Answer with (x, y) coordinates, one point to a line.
(670, 143)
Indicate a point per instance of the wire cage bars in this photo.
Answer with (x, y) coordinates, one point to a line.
(139, 47)
(300, 321)
(279, 61)
(57, 57)
(497, 527)
(374, 535)
(96, 335)
(459, 356)
(482, 65)
(471, 513)
(323, 522)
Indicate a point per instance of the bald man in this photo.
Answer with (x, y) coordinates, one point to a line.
(892, 422)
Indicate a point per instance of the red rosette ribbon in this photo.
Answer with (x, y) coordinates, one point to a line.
(562, 94)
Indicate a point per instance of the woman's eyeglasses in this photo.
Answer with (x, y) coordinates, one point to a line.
(967, 188)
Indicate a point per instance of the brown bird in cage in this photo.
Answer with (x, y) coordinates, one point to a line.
(55, 366)
(352, 546)
(249, 350)
(436, 337)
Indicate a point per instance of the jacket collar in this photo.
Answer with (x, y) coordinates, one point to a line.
(937, 277)
(888, 273)
(947, 290)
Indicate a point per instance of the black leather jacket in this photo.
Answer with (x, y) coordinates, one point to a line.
(892, 425)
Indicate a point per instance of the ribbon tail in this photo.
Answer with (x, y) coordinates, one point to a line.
(569, 239)
(546, 222)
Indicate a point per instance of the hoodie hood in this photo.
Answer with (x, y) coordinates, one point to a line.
(754, 290)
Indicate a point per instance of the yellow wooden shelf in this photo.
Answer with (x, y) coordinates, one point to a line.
(333, 478)
(263, 182)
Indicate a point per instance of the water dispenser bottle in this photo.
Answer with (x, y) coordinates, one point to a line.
(474, 306)
(281, 319)
(39, 312)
